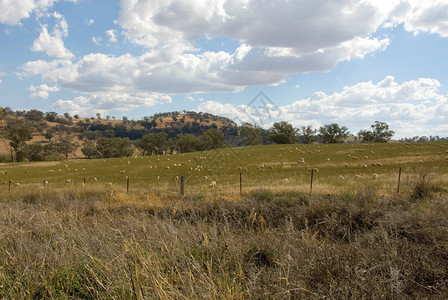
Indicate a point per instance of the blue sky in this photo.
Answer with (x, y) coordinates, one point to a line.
(319, 62)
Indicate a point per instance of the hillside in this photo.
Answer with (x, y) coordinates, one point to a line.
(172, 123)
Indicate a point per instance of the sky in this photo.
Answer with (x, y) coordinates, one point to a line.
(307, 62)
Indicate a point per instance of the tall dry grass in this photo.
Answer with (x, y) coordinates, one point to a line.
(93, 244)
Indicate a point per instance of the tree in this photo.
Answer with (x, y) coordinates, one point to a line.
(212, 139)
(187, 142)
(282, 133)
(152, 143)
(18, 135)
(65, 146)
(332, 133)
(32, 152)
(115, 147)
(251, 133)
(98, 115)
(379, 133)
(34, 115)
(89, 150)
(51, 116)
(49, 134)
(308, 134)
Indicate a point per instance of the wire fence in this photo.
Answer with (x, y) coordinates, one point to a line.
(179, 184)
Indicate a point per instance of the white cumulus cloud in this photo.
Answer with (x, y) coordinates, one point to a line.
(42, 91)
(13, 11)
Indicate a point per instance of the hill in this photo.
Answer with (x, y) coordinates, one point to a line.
(73, 128)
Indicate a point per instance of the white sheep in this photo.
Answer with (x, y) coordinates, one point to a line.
(341, 177)
(212, 184)
(122, 171)
(109, 184)
(94, 179)
(375, 176)
(68, 181)
(50, 171)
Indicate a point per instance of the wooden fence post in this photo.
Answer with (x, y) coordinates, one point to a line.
(399, 178)
(127, 184)
(9, 185)
(182, 186)
(241, 184)
(311, 183)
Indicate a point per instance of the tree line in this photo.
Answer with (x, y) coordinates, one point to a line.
(99, 140)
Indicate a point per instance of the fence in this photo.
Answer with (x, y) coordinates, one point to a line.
(127, 184)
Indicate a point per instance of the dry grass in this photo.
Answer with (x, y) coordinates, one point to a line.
(96, 244)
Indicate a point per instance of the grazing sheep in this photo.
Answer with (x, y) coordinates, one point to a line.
(50, 171)
(158, 177)
(358, 176)
(167, 167)
(45, 182)
(17, 184)
(285, 180)
(301, 161)
(346, 165)
(375, 176)
(364, 166)
(122, 171)
(68, 181)
(341, 177)
(83, 169)
(129, 162)
(109, 184)
(212, 184)
(94, 179)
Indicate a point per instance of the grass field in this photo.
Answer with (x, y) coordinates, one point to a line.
(352, 238)
(275, 167)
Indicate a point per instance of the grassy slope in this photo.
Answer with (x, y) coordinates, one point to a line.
(281, 169)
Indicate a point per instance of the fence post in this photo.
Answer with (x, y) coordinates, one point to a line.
(9, 185)
(399, 178)
(311, 183)
(84, 182)
(127, 184)
(241, 184)
(181, 186)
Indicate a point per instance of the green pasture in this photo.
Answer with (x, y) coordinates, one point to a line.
(338, 168)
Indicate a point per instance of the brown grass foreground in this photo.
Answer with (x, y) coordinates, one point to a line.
(89, 244)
